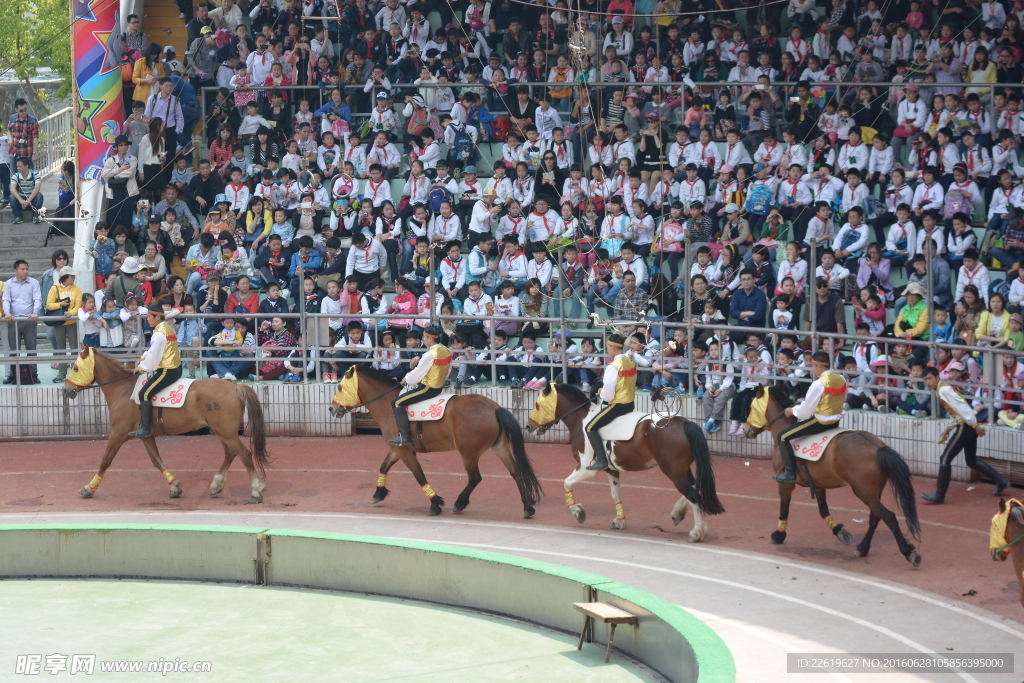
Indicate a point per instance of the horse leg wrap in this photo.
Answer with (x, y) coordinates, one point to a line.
(783, 523)
(570, 498)
(94, 484)
(831, 522)
(382, 480)
(429, 491)
(620, 512)
(168, 476)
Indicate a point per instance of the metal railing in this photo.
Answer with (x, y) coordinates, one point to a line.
(56, 141)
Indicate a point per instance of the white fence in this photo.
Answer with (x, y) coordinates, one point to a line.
(56, 141)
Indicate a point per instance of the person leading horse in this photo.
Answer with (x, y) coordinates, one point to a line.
(820, 411)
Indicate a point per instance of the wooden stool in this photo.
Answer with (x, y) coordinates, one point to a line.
(608, 614)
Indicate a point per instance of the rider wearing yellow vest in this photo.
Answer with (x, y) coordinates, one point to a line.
(163, 360)
(819, 412)
(431, 372)
(618, 393)
(964, 437)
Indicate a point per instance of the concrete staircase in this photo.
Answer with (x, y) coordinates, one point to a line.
(25, 241)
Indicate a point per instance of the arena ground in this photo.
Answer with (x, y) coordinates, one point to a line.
(809, 595)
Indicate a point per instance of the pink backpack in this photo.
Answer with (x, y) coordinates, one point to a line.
(954, 203)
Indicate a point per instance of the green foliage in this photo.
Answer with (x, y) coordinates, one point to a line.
(36, 34)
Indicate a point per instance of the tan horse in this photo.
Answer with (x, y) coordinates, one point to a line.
(856, 459)
(1006, 538)
(471, 424)
(214, 403)
(673, 446)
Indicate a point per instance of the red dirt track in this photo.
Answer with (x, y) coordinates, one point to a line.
(338, 475)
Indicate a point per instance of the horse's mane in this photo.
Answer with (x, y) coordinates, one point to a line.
(376, 375)
(1016, 514)
(780, 397)
(110, 360)
(573, 393)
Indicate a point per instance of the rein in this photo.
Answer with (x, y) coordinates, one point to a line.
(375, 398)
(999, 550)
(103, 384)
(579, 407)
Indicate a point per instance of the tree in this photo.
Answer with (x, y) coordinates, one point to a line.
(36, 33)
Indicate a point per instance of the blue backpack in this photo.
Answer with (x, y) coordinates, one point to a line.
(462, 146)
(759, 201)
(438, 194)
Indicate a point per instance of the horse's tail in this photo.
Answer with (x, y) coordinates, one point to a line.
(707, 496)
(895, 467)
(257, 427)
(510, 427)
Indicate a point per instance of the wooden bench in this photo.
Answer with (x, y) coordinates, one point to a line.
(605, 613)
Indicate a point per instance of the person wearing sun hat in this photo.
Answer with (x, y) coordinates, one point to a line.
(162, 360)
(124, 283)
(618, 396)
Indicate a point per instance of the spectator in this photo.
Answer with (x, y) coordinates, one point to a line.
(21, 299)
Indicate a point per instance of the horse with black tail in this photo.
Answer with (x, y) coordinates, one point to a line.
(471, 424)
(673, 445)
(856, 459)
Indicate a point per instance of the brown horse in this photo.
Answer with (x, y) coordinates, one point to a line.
(856, 459)
(673, 445)
(214, 403)
(1006, 538)
(471, 424)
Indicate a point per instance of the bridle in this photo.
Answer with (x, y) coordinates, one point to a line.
(349, 409)
(544, 427)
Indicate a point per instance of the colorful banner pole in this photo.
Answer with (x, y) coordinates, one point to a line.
(96, 50)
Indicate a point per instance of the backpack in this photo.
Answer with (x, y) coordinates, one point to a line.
(461, 148)
(501, 127)
(759, 201)
(999, 286)
(418, 121)
(872, 208)
(955, 203)
(438, 194)
(560, 77)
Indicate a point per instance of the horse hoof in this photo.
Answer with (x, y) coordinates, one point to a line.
(914, 558)
(380, 494)
(677, 520)
(458, 508)
(254, 500)
(778, 537)
(844, 536)
(434, 511)
(617, 524)
(860, 553)
(528, 512)
(694, 537)
(578, 513)
(175, 492)
(215, 492)
(86, 493)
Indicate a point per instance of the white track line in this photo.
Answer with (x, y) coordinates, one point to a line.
(589, 482)
(748, 555)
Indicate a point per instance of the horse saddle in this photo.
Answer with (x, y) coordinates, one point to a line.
(622, 428)
(429, 410)
(812, 446)
(171, 396)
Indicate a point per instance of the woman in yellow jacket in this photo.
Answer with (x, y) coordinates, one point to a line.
(912, 322)
(147, 72)
(994, 324)
(65, 298)
(982, 70)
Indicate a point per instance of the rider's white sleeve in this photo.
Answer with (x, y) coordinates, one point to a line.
(611, 377)
(809, 406)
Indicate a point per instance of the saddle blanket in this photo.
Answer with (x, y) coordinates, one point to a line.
(430, 410)
(812, 447)
(622, 428)
(172, 396)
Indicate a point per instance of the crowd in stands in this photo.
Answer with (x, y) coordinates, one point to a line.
(354, 162)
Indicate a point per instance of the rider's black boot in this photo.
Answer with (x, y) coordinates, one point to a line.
(788, 474)
(402, 418)
(145, 420)
(600, 457)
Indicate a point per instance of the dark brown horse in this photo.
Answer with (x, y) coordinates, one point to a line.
(673, 445)
(856, 459)
(471, 424)
(214, 403)
(1009, 535)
